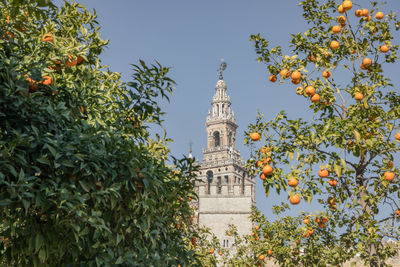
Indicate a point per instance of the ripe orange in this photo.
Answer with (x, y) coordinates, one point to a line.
(323, 173)
(258, 163)
(47, 37)
(347, 5)
(397, 136)
(315, 98)
(267, 170)
(220, 253)
(71, 62)
(389, 176)
(368, 18)
(264, 150)
(336, 29)
(306, 234)
(398, 212)
(364, 12)
(363, 67)
(331, 201)
(358, 13)
(269, 252)
(384, 48)
(333, 182)
(341, 19)
(255, 136)
(295, 199)
(257, 227)
(261, 257)
(296, 75)
(310, 232)
(284, 73)
(366, 62)
(212, 251)
(310, 90)
(326, 74)
(334, 45)
(321, 225)
(379, 15)
(341, 9)
(306, 220)
(293, 182)
(48, 80)
(295, 81)
(273, 78)
(79, 59)
(317, 220)
(299, 90)
(324, 220)
(358, 96)
(266, 160)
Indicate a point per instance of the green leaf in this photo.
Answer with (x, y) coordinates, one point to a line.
(120, 260)
(38, 242)
(338, 170)
(357, 135)
(5, 202)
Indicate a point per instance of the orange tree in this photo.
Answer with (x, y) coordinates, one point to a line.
(81, 181)
(342, 157)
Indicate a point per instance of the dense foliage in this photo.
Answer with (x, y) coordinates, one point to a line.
(81, 180)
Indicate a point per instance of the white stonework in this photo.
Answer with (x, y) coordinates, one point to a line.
(226, 191)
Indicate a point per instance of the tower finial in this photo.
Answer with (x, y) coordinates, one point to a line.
(222, 67)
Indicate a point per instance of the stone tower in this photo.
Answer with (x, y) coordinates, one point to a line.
(226, 190)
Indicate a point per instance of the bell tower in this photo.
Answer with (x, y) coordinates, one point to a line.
(226, 190)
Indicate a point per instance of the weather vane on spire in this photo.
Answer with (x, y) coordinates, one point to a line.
(222, 67)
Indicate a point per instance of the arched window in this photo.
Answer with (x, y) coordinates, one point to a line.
(210, 177)
(216, 139)
(230, 138)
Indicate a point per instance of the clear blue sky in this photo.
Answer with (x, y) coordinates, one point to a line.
(192, 37)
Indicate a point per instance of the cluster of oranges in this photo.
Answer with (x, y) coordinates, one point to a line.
(334, 45)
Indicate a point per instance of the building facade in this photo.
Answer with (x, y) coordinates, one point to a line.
(226, 191)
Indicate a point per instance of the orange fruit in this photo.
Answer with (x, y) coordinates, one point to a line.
(295, 199)
(366, 62)
(220, 253)
(336, 29)
(267, 160)
(48, 80)
(293, 182)
(310, 90)
(257, 227)
(384, 48)
(273, 78)
(315, 98)
(341, 9)
(261, 257)
(324, 220)
(71, 62)
(255, 136)
(379, 15)
(323, 173)
(389, 176)
(358, 96)
(321, 225)
(267, 170)
(317, 220)
(311, 57)
(284, 73)
(347, 5)
(296, 75)
(363, 67)
(358, 13)
(342, 19)
(310, 231)
(398, 212)
(326, 74)
(364, 12)
(368, 18)
(331, 201)
(333, 182)
(299, 90)
(258, 163)
(47, 37)
(306, 220)
(334, 45)
(79, 59)
(269, 252)
(397, 136)
(306, 234)
(295, 81)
